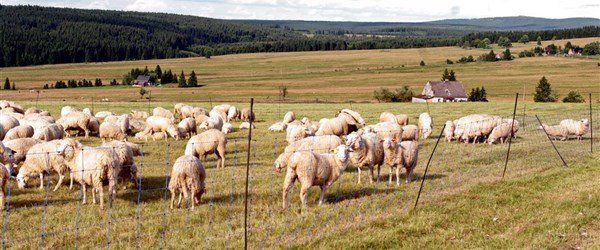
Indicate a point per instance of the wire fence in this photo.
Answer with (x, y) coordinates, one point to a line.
(137, 213)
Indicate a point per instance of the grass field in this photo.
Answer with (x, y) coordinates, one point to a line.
(457, 174)
(326, 76)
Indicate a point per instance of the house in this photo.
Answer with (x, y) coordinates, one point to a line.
(500, 56)
(575, 51)
(442, 91)
(142, 81)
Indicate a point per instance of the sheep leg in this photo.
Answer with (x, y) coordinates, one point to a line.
(397, 176)
(102, 196)
(304, 195)
(60, 180)
(358, 168)
(41, 180)
(193, 197)
(371, 174)
(185, 191)
(180, 198)
(378, 172)
(2, 199)
(71, 182)
(84, 200)
(94, 190)
(290, 178)
(172, 198)
(322, 197)
(390, 176)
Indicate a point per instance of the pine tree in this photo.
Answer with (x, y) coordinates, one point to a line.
(175, 80)
(13, 86)
(507, 55)
(182, 82)
(452, 76)
(446, 75)
(158, 71)
(7, 84)
(193, 81)
(539, 40)
(543, 92)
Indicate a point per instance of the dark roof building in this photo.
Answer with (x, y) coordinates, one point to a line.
(142, 80)
(442, 91)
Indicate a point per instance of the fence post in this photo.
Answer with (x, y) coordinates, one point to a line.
(248, 173)
(512, 125)
(591, 127)
(561, 158)
(428, 163)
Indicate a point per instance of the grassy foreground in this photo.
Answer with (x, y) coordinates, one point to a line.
(554, 209)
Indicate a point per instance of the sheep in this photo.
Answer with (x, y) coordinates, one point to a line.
(111, 131)
(157, 124)
(354, 115)
(11, 113)
(223, 108)
(199, 111)
(186, 112)
(162, 112)
(20, 147)
(103, 114)
(200, 119)
(449, 131)
(387, 117)
(137, 125)
(556, 131)
(400, 155)
(313, 169)
(49, 132)
(44, 157)
(318, 144)
(295, 133)
(177, 132)
(67, 109)
(135, 148)
(402, 119)
(32, 110)
(343, 124)
(213, 122)
(365, 150)
(247, 115)
(227, 128)
(123, 123)
(246, 125)
(576, 128)
(88, 111)
(93, 126)
(143, 136)
(21, 131)
(36, 120)
(123, 153)
(233, 114)
(4, 178)
(386, 130)
(475, 126)
(211, 141)
(515, 126)
(500, 132)
(177, 108)
(140, 115)
(188, 125)
(75, 119)
(8, 122)
(90, 167)
(5, 153)
(289, 117)
(278, 127)
(410, 133)
(112, 119)
(425, 125)
(187, 178)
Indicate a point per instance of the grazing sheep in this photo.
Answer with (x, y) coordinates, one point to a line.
(246, 125)
(4, 178)
(124, 125)
(199, 111)
(93, 126)
(213, 122)
(354, 115)
(188, 125)
(176, 132)
(75, 120)
(140, 115)
(88, 111)
(425, 125)
(365, 151)
(208, 142)
(400, 155)
(247, 115)
(5, 153)
(449, 131)
(7, 122)
(475, 126)
(143, 136)
(576, 128)
(135, 148)
(49, 132)
(317, 144)
(68, 109)
(313, 169)
(200, 119)
(111, 131)
(162, 112)
(47, 156)
(32, 110)
(90, 167)
(112, 119)
(386, 130)
(123, 155)
(20, 147)
(103, 114)
(295, 133)
(402, 119)
(387, 117)
(343, 124)
(556, 131)
(410, 133)
(289, 117)
(227, 128)
(500, 133)
(177, 108)
(186, 112)
(157, 124)
(223, 108)
(187, 178)
(137, 125)
(515, 126)
(233, 114)
(21, 131)
(278, 127)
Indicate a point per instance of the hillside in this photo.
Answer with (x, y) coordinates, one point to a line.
(519, 23)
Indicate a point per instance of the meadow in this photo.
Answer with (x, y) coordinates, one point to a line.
(466, 201)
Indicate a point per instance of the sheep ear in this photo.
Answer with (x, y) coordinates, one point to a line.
(381, 140)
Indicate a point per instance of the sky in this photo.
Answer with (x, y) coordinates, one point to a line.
(340, 10)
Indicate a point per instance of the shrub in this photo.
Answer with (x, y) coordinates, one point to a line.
(574, 96)
(403, 94)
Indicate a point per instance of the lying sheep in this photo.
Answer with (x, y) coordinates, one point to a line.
(111, 131)
(317, 144)
(20, 147)
(4, 178)
(246, 125)
(7, 122)
(227, 128)
(576, 128)
(556, 131)
(49, 132)
(47, 156)
(278, 127)
(365, 151)
(400, 155)
(103, 114)
(425, 125)
(21, 131)
(140, 115)
(208, 142)
(187, 178)
(75, 120)
(313, 169)
(247, 115)
(500, 133)
(289, 117)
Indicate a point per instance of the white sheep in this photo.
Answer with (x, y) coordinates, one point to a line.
(343, 124)
(76, 120)
(295, 133)
(357, 117)
(123, 154)
(400, 155)
(5, 153)
(386, 130)
(68, 109)
(20, 147)
(208, 142)
(111, 131)
(449, 131)
(177, 108)
(188, 125)
(103, 114)
(155, 124)
(410, 132)
(140, 115)
(162, 112)
(246, 125)
(233, 114)
(227, 128)
(247, 115)
(313, 169)
(137, 125)
(213, 122)
(91, 166)
(402, 119)
(365, 151)
(387, 117)
(188, 178)
(87, 111)
(176, 132)
(425, 125)
(317, 144)
(500, 133)
(277, 127)
(123, 123)
(21, 131)
(186, 112)
(199, 111)
(44, 157)
(4, 178)
(32, 110)
(7, 122)
(49, 132)
(289, 117)
(222, 108)
(556, 131)
(218, 113)
(576, 128)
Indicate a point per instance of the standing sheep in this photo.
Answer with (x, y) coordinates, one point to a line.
(211, 141)
(162, 112)
(449, 130)
(4, 178)
(76, 120)
(123, 153)
(313, 169)
(20, 147)
(187, 178)
(425, 125)
(213, 122)
(576, 128)
(402, 119)
(317, 144)
(111, 131)
(188, 125)
(247, 115)
(410, 132)
(556, 131)
(140, 115)
(500, 133)
(387, 117)
(365, 151)
(400, 155)
(157, 124)
(49, 132)
(354, 115)
(92, 166)
(233, 114)
(21, 131)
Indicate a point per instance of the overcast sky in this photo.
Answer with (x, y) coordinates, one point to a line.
(341, 10)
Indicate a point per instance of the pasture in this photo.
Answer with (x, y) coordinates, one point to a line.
(458, 176)
(335, 76)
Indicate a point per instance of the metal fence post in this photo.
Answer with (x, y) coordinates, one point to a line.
(512, 125)
(428, 163)
(247, 174)
(558, 152)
